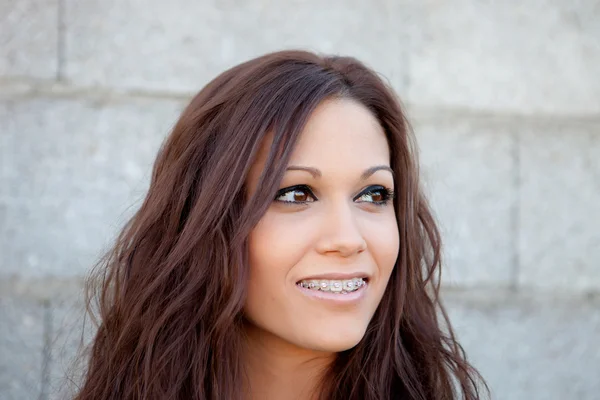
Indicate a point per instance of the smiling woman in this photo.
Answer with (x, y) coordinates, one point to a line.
(284, 251)
(332, 226)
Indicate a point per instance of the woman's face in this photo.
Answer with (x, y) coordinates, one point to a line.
(322, 255)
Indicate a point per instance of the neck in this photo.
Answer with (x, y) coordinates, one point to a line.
(276, 369)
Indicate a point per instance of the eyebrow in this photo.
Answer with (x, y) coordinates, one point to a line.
(370, 171)
(317, 174)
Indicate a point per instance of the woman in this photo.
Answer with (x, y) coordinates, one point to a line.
(284, 251)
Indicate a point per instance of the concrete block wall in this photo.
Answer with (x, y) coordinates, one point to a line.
(504, 99)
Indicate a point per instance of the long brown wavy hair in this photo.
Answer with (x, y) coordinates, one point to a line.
(170, 293)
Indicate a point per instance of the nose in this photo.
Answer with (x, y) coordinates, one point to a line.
(341, 233)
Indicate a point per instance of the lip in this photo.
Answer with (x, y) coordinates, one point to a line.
(336, 276)
(336, 299)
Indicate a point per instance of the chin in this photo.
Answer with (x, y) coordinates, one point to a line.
(335, 340)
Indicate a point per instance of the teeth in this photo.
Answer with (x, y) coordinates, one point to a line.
(335, 286)
(348, 285)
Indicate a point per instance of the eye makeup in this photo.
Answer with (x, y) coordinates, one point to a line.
(303, 190)
(381, 193)
(298, 195)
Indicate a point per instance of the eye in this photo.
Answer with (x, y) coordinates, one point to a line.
(378, 195)
(300, 194)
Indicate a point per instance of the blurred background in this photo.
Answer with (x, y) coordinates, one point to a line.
(504, 99)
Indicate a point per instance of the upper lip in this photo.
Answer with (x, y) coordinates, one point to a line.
(336, 276)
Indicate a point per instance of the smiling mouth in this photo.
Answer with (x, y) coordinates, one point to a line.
(335, 286)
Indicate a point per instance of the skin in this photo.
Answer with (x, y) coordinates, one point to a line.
(293, 337)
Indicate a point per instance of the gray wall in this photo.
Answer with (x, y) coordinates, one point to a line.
(504, 98)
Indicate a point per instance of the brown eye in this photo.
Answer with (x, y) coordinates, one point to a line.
(300, 195)
(378, 195)
(297, 194)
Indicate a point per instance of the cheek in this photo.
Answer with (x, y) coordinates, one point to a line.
(383, 241)
(390, 247)
(275, 245)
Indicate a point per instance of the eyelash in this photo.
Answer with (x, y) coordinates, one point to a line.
(387, 193)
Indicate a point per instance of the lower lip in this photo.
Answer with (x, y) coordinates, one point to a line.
(335, 298)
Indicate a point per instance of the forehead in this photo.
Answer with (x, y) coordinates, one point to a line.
(342, 132)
